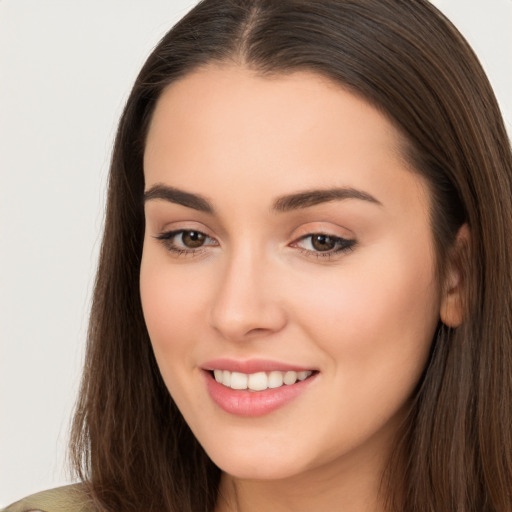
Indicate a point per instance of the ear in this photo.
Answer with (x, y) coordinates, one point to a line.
(452, 300)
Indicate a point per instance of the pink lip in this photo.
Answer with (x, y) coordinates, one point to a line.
(252, 403)
(251, 366)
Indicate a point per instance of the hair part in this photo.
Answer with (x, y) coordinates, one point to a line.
(130, 442)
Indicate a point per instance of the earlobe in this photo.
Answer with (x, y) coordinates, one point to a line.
(452, 300)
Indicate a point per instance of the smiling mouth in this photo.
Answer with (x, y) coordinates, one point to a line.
(259, 381)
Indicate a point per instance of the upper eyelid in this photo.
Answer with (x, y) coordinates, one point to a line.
(298, 233)
(294, 236)
(350, 240)
(180, 226)
(325, 232)
(316, 228)
(170, 233)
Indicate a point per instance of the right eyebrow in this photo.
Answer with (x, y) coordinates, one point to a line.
(177, 196)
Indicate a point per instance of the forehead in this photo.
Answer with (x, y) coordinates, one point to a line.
(256, 132)
(229, 95)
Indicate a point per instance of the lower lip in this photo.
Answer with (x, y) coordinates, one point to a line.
(254, 403)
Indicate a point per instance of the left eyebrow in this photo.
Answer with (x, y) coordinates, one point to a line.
(313, 197)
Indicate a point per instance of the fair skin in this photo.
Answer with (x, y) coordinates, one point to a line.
(235, 272)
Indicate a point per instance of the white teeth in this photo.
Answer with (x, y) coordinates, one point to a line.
(259, 381)
(290, 378)
(226, 378)
(239, 380)
(275, 379)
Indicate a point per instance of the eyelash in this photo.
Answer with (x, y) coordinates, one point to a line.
(167, 239)
(343, 244)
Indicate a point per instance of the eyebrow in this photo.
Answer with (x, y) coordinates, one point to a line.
(286, 203)
(313, 197)
(177, 196)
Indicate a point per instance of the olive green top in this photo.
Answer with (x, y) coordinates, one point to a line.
(71, 498)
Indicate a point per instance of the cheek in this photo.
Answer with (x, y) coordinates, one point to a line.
(377, 316)
(171, 307)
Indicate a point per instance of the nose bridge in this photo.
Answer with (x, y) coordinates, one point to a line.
(245, 301)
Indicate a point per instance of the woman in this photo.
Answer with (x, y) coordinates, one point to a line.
(305, 287)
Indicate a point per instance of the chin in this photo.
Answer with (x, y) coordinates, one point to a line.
(257, 470)
(257, 462)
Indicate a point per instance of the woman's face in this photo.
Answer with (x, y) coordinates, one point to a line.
(286, 239)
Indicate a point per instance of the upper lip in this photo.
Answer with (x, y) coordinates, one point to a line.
(252, 365)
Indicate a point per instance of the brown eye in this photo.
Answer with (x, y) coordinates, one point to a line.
(193, 239)
(186, 242)
(323, 245)
(323, 242)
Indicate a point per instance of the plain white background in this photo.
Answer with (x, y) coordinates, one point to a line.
(66, 67)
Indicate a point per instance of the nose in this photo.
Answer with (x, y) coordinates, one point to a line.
(246, 301)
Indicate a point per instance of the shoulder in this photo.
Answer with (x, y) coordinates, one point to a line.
(71, 498)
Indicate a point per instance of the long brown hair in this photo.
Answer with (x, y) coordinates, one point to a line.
(129, 441)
